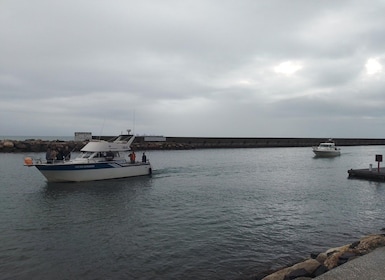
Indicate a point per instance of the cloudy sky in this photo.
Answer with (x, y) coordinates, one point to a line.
(205, 68)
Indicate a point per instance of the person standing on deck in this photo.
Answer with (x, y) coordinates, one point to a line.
(48, 156)
(132, 157)
(67, 153)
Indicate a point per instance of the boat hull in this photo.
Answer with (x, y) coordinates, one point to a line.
(327, 153)
(92, 171)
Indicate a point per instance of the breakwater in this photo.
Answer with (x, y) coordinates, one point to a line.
(186, 143)
(319, 263)
(202, 142)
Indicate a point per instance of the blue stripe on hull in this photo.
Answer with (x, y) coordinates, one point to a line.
(88, 166)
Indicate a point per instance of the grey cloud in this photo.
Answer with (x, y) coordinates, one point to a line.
(199, 68)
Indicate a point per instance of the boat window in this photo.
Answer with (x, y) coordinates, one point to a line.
(86, 155)
(325, 145)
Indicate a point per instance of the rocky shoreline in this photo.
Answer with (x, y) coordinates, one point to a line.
(319, 263)
(38, 145)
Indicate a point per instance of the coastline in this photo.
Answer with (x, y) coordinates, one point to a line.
(184, 143)
(318, 264)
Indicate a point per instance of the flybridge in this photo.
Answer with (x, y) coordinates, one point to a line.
(121, 143)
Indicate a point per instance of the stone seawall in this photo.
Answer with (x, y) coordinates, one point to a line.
(184, 143)
(320, 263)
(36, 145)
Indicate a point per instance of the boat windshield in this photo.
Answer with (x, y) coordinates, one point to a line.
(86, 155)
(326, 144)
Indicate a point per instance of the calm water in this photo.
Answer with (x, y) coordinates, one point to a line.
(204, 214)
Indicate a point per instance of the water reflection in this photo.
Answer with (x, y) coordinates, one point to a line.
(95, 187)
(106, 198)
(202, 214)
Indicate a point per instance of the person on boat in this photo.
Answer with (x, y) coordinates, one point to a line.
(53, 155)
(60, 154)
(109, 155)
(67, 153)
(144, 158)
(132, 157)
(48, 156)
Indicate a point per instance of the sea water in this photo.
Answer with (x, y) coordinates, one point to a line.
(203, 214)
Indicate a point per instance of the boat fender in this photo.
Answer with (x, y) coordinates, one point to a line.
(150, 171)
(28, 161)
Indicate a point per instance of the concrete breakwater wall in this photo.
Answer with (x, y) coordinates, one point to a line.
(175, 143)
(202, 143)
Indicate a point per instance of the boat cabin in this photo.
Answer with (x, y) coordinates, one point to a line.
(99, 156)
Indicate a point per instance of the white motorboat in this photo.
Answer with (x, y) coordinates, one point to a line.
(98, 160)
(327, 149)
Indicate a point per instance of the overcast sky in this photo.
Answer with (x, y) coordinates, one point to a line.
(205, 68)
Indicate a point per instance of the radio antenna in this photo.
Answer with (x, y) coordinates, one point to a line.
(133, 125)
(101, 130)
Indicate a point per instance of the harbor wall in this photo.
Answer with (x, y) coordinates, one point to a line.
(221, 142)
(178, 143)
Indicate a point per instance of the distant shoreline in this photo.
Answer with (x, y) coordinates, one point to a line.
(44, 138)
(185, 143)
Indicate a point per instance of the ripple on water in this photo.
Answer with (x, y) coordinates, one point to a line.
(203, 214)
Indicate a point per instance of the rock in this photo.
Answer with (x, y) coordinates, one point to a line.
(296, 273)
(345, 257)
(8, 144)
(319, 271)
(337, 249)
(333, 257)
(321, 257)
(309, 266)
(21, 146)
(370, 242)
(340, 255)
(333, 260)
(354, 244)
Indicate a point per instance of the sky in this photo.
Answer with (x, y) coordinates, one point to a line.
(193, 68)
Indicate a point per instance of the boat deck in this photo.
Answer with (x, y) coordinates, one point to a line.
(368, 174)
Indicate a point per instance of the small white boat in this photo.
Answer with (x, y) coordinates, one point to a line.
(98, 160)
(327, 149)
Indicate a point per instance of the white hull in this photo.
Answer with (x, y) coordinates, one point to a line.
(80, 175)
(327, 149)
(323, 153)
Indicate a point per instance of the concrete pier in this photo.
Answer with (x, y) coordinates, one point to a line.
(368, 173)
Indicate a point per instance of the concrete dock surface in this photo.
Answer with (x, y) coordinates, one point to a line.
(374, 173)
(368, 267)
